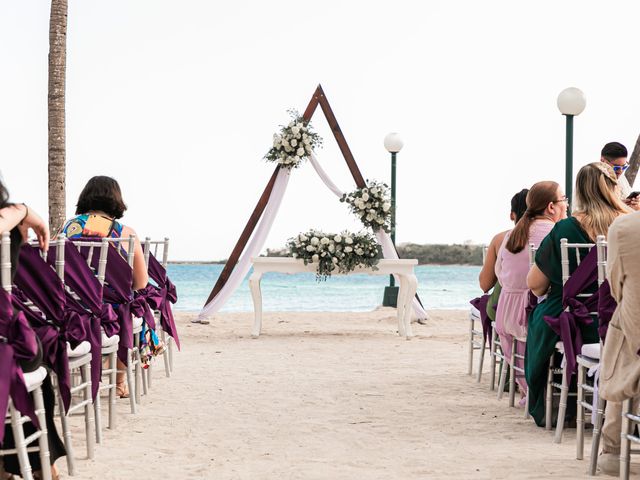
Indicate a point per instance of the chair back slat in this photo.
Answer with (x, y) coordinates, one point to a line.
(601, 245)
(532, 254)
(5, 261)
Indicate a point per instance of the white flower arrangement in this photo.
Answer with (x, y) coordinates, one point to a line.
(332, 252)
(372, 205)
(294, 143)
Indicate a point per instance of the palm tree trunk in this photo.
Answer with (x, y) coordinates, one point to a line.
(634, 163)
(56, 98)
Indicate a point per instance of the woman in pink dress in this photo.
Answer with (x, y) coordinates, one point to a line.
(546, 205)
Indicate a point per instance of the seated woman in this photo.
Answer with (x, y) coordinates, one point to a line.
(620, 364)
(597, 206)
(512, 265)
(18, 219)
(487, 277)
(99, 207)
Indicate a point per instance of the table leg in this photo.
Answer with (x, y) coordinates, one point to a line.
(256, 294)
(412, 287)
(401, 304)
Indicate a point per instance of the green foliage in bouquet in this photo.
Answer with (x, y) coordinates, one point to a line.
(371, 204)
(295, 142)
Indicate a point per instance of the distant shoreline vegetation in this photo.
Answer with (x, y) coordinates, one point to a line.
(430, 254)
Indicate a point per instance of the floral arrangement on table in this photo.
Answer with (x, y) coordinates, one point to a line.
(371, 204)
(294, 143)
(341, 253)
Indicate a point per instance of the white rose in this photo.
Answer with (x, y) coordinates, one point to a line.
(285, 142)
(332, 248)
(361, 206)
(374, 191)
(386, 206)
(334, 260)
(300, 152)
(337, 239)
(369, 217)
(380, 220)
(325, 241)
(365, 197)
(359, 251)
(311, 248)
(291, 123)
(288, 149)
(305, 136)
(315, 258)
(295, 130)
(348, 249)
(348, 240)
(306, 141)
(303, 238)
(294, 142)
(299, 125)
(315, 241)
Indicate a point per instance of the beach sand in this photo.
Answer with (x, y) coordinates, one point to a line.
(325, 396)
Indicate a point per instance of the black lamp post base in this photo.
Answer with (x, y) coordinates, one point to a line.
(390, 297)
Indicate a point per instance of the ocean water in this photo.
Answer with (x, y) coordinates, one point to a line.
(440, 287)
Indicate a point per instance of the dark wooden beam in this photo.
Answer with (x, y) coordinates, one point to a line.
(342, 142)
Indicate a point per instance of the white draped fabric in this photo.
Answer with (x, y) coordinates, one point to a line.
(254, 247)
(388, 250)
(259, 237)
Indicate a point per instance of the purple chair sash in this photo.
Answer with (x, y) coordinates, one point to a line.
(577, 310)
(17, 342)
(606, 306)
(37, 282)
(168, 294)
(481, 304)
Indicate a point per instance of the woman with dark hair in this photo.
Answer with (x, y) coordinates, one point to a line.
(487, 277)
(544, 209)
(597, 205)
(18, 218)
(98, 210)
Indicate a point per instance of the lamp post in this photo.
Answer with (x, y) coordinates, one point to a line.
(571, 102)
(393, 143)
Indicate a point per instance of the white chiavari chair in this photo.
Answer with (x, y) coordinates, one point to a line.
(33, 381)
(134, 362)
(563, 387)
(476, 337)
(80, 369)
(588, 362)
(160, 247)
(109, 348)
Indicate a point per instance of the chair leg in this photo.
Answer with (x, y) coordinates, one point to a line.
(21, 445)
(85, 374)
(470, 362)
(562, 408)
(481, 361)
(66, 434)
(526, 405)
(503, 378)
(131, 382)
(97, 414)
(43, 440)
(512, 372)
(624, 441)
(492, 380)
(595, 439)
(113, 367)
(170, 342)
(580, 415)
(549, 400)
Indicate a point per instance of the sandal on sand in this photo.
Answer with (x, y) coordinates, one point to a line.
(122, 390)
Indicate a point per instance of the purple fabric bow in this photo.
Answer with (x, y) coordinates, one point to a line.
(167, 291)
(140, 307)
(576, 310)
(606, 306)
(17, 342)
(37, 282)
(481, 304)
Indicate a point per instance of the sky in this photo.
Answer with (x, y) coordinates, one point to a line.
(179, 100)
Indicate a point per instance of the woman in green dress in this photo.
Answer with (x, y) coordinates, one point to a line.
(597, 205)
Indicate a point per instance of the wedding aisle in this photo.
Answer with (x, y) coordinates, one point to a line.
(321, 396)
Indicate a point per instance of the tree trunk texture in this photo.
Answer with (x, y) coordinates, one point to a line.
(634, 163)
(56, 104)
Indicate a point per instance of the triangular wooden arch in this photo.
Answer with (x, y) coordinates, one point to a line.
(318, 98)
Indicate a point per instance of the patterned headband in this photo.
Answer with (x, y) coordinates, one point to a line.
(607, 171)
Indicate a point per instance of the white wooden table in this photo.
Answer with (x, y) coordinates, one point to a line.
(403, 269)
